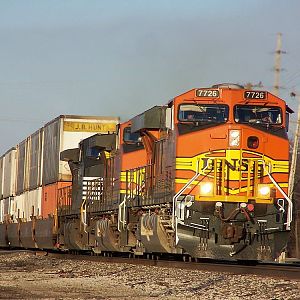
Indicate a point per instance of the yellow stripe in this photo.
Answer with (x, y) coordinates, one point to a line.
(232, 157)
(137, 176)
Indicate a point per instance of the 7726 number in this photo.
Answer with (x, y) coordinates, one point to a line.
(208, 93)
(255, 95)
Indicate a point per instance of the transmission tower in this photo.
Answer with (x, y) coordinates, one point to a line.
(277, 68)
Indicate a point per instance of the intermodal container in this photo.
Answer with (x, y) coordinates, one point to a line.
(35, 159)
(33, 203)
(26, 205)
(4, 209)
(22, 166)
(9, 180)
(1, 210)
(17, 207)
(50, 197)
(2, 159)
(65, 132)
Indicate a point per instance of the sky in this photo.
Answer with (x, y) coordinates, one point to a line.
(119, 58)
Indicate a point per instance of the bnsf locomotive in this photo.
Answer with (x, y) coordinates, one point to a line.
(204, 175)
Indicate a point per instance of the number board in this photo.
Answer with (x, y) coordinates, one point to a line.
(205, 93)
(260, 95)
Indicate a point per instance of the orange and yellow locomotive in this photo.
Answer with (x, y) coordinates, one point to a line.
(232, 167)
(215, 182)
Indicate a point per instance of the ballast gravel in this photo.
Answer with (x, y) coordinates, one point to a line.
(26, 276)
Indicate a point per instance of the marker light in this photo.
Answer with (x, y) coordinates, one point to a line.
(250, 207)
(234, 138)
(263, 191)
(206, 188)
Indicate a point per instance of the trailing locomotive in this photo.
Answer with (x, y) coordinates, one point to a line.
(204, 175)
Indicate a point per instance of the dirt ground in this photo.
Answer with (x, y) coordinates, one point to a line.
(27, 276)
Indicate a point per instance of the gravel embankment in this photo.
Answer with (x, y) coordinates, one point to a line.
(26, 276)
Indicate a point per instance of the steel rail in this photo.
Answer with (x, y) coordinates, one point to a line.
(289, 271)
(272, 270)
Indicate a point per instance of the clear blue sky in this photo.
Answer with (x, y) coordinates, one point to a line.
(121, 57)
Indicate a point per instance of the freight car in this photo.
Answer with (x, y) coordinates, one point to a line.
(205, 175)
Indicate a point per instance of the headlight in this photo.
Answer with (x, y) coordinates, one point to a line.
(234, 138)
(206, 188)
(263, 191)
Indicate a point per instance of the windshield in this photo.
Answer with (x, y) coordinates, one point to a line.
(203, 113)
(257, 114)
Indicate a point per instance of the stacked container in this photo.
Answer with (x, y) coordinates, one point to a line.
(2, 159)
(65, 132)
(22, 167)
(8, 169)
(50, 197)
(32, 173)
(10, 172)
(35, 168)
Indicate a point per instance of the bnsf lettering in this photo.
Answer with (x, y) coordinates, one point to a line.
(233, 165)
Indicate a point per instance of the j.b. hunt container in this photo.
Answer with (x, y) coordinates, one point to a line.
(65, 132)
(38, 156)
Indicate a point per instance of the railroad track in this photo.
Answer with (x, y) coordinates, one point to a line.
(290, 271)
(272, 270)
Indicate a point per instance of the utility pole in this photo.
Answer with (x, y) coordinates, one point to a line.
(295, 149)
(292, 178)
(277, 68)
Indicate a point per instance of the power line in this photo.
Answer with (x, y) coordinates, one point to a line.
(295, 77)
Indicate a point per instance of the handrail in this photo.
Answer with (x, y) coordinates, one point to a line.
(83, 208)
(83, 215)
(179, 193)
(290, 203)
(121, 215)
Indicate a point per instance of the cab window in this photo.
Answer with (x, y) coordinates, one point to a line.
(206, 113)
(130, 137)
(256, 114)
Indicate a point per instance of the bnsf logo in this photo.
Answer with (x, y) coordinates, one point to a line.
(234, 164)
(240, 165)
